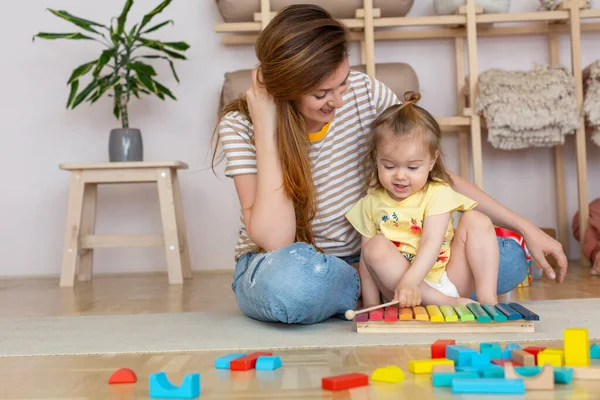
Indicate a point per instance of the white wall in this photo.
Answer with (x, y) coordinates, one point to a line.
(39, 133)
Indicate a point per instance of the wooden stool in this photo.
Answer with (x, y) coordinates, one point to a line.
(80, 240)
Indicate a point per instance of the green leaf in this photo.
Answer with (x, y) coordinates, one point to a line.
(181, 46)
(104, 86)
(74, 87)
(123, 18)
(164, 90)
(80, 71)
(80, 22)
(142, 68)
(71, 36)
(170, 64)
(158, 26)
(154, 12)
(116, 108)
(156, 45)
(85, 92)
(147, 82)
(103, 60)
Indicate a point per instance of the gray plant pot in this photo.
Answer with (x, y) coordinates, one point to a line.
(125, 145)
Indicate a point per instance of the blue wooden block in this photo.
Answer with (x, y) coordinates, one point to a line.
(467, 369)
(445, 378)
(594, 351)
(511, 314)
(528, 371)
(223, 362)
(496, 315)
(506, 355)
(493, 371)
(161, 388)
(480, 361)
(488, 385)
(563, 374)
(461, 355)
(268, 363)
(527, 314)
(493, 350)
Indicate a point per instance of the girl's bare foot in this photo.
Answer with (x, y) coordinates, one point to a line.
(596, 267)
(462, 301)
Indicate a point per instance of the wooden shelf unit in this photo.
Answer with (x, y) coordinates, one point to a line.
(470, 23)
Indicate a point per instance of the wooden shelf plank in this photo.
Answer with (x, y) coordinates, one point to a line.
(523, 17)
(108, 241)
(430, 20)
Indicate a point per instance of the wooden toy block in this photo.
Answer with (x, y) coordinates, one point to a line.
(507, 353)
(554, 358)
(391, 374)
(494, 313)
(526, 313)
(464, 314)
(478, 312)
(438, 348)
(576, 347)
(501, 362)
(488, 386)
(534, 350)
(122, 375)
(586, 373)
(268, 363)
(442, 368)
(493, 371)
(426, 366)
(449, 314)
(376, 315)
(246, 362)
(521, 357)
(161, 388)
(561, 374)
(468, 369)
(223, 362)
(594, 351)
(445, 378)
(391, 314)
(362, 317)
(542, 381)
(480, 360)
(508, 311)
(493, 350)
(461, 355)
(344, 381)
(421, 313)
(406, 314)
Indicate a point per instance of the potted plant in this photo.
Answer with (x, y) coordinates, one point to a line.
(120, 70)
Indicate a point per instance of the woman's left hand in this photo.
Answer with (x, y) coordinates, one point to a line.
(541, 245)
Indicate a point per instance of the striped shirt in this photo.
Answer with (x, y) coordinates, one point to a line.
(335, 154)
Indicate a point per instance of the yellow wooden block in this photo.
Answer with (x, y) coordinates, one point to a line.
(426, 366)
(391, 374)
(552, 357)
(434, 313)
(449, 313)
(577, 347)
(420, 313)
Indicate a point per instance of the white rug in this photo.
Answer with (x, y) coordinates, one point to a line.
(186, 332)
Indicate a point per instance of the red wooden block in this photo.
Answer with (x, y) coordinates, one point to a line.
(501, 362)
(534, 350)
(391, 314)
(247, 362)
(344, 381)
(438, 348)
(376, 315)
(123, 375)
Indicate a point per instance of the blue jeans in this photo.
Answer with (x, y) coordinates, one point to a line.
(298, 285)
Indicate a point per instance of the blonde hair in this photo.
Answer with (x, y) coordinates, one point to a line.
(403, 120)
(300, 48)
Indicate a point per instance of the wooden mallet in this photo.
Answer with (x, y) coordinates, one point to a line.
(350, 314)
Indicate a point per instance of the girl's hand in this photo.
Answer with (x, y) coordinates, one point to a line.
(261, 105)
(408, 294)
(541, 245)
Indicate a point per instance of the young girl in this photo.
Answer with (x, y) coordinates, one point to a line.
(410, 249)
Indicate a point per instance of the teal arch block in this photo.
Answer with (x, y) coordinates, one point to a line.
(162, 388)
(268, 363)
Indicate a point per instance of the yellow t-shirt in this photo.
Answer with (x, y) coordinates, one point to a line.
(402, 222)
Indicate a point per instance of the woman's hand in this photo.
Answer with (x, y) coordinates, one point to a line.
(541, 245)
(408, 294)
(261, 105)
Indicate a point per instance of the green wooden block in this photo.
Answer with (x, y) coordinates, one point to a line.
(496, 315)
(464, 314)
(478, 312)
(449, 314)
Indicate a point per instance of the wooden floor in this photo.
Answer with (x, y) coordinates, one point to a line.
(85, 377)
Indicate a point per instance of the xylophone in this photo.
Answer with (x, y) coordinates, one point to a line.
(471, 318)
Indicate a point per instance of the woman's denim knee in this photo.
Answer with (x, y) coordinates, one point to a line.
(296, 284)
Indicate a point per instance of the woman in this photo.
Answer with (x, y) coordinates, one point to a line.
(293, 146)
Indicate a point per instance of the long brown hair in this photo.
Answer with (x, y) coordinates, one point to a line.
(401, 120)
(301, 47)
